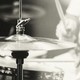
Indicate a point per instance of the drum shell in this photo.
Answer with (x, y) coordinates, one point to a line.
(7, 73)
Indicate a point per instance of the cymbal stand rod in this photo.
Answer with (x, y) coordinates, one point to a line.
(18, 28)
(20, 22)
(20, 9)
(19, 69)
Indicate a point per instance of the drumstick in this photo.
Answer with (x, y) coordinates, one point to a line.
(62, 16)
(60, 11)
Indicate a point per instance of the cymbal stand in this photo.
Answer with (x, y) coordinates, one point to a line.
(20, 22)
(19, 55)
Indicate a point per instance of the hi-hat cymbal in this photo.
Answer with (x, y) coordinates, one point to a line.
(12, 12)
(25, 42)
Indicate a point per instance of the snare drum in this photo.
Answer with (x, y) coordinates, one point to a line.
(37, 72)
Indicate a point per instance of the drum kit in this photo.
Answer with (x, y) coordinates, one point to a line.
(19, 44)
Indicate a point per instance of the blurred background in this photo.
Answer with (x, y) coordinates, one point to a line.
(43, 14)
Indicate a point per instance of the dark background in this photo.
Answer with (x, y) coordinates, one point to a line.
(43, 26)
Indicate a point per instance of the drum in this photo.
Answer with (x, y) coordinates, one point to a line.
(7, 73)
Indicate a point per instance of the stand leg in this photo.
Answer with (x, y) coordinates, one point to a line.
(19, 69)
(20, 55)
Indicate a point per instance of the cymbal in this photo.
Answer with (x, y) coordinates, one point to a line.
(12, 12)
(25, 42)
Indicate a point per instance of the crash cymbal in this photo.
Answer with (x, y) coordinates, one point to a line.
(12, 12)
(25, 42)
